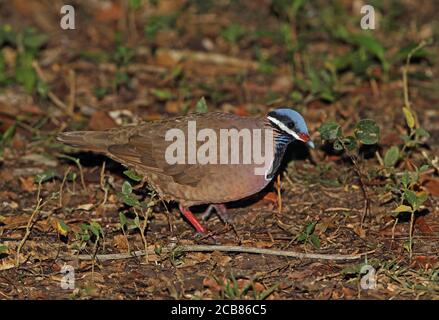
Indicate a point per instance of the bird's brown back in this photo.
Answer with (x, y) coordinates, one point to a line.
(143, 148)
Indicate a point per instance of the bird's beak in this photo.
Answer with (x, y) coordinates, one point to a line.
(305, 138)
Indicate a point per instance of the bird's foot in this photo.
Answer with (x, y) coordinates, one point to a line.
(193, 220)
(220, 209)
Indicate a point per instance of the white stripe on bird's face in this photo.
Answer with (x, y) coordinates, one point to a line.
(283, 127)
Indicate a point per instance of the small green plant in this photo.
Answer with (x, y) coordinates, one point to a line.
(232, 289)
(233, 33)
(405, 187)
(308, 236)
(122, 57)
(133, 175)
(157, 23)
(123, 223)
(408, 199)
(142, 211)
(201, 106)
(6, 137)
(77, 161)
(366, 132)
(3, 249)
(27, 43)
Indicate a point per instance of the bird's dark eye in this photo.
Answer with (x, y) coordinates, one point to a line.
(290, 125)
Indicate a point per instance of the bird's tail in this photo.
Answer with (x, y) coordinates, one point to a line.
(97, 141)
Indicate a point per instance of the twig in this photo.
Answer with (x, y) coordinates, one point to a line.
(29, 225)
(279, 194)
(207, 57)
(62, 186)
(407, 104)
(102, 184)
(362, 185)
(433, 163)
(210, 248)
(56, 101)
(72, 82)
(78, 164)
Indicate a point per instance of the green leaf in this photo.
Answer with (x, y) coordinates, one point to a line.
(349, 143)
(338, 145)
(315, 240)
(158, 23)
(301, 237)
(411, 198)
(126, 188)
(233, 33)
(123, 55)
(201, 106)
(391, 156)
(162, 94)
(24, 72)
(135, 4)
(131, 201)
(137, 222)
(62, 228)
(8, 134)
(42, 88)
(95, 228)
(405, 179)
(421, 132)
(3, 249)
(367, 131)
(123, 219)
(409, 117)
(402, 208)
(330, 131)
(422, 197)
(424, 168)
(121, 78)
(158, 249)
(33, 41)
(309, 228)
(407, 245)
(45, 176)
(370, 44)
(133, 175)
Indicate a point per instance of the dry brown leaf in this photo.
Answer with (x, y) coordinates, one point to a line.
(120, 242)
(432, 185)
(28, 184)
(423, 226)
(100, 120)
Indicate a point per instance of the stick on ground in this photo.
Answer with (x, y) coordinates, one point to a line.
(210, 248)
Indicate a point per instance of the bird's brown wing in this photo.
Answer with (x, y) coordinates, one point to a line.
(145, 150)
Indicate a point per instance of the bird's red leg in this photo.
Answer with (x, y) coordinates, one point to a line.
(189, 215)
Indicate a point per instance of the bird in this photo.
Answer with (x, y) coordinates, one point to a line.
(146, 148)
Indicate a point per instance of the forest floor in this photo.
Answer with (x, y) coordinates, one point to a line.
(246, 58)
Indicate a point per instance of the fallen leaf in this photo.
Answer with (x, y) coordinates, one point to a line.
(101, 120)
(423, 226)
(269, 199)
(86, 206)
(426, 261)
(348, 293)
(358, 230)
(28, 184)
(109, 12)
(432, 185)
(120, 242)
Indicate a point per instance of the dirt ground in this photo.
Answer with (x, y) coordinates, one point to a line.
(129, 61)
